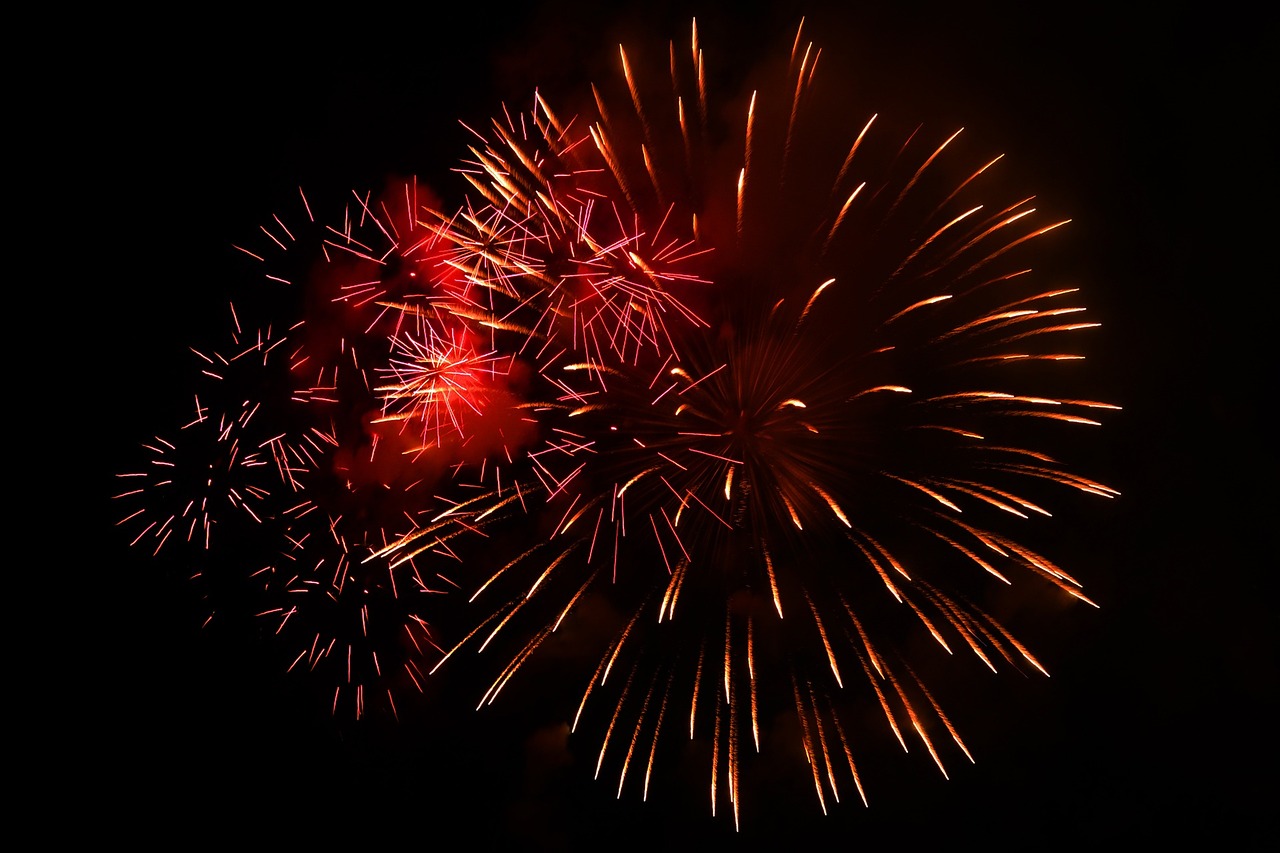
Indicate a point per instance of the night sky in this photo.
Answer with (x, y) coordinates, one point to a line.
(1145, 131)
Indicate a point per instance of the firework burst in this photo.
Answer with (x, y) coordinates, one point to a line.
(780, 487)
(221, 465)
(782, 402)
(306, 462)
(335, 613)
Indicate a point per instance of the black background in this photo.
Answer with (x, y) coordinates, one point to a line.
(1145, 129)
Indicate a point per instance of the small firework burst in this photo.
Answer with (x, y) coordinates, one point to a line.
(223, 462)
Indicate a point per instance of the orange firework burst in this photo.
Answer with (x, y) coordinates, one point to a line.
(787, 406)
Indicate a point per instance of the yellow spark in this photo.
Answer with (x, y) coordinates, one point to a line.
(773, 580)
(653, 748)
(727, 647)
(813, 298)
(929, 240)
(635, 736)
(843, 210)
(751, 675)
(928, 624)
(826, 642)
(933, 300)
(897, 389)
(806, 740)
(612, 723)
(697, 680)
(930, 492)
(853, 149)
(742, 181)
(792, 511)
(831, 502)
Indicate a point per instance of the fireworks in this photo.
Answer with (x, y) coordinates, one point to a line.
(293, 470)
(781, 401)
